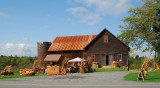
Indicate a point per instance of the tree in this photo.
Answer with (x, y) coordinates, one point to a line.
(142, 27)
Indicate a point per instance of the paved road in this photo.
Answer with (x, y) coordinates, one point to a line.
(88, 80)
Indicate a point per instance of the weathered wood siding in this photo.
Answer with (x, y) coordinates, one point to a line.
(113, 47)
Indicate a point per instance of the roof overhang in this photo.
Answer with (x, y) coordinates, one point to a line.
(53, 57)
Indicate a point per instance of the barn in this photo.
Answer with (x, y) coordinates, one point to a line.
(103, 48)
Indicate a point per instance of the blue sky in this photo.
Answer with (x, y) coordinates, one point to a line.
(23, 23)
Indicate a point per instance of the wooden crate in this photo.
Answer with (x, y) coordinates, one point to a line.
(52, 69)
(94, 64)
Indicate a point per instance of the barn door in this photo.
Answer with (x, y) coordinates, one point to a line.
(107, 60)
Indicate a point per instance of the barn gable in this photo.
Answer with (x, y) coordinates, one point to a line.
(106, 48)
(100, 35)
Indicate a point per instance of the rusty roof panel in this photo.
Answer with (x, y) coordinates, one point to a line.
(71, 42)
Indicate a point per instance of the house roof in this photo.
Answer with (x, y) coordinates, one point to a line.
(81, 42)
(101, 33)
(53, 57)
(71, 42)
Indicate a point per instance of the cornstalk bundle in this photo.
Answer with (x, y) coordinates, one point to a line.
(82, 66)
(7, 71)
(35, 65)
(64, 64)
(144, 69)
(89, 64)
(42, 65)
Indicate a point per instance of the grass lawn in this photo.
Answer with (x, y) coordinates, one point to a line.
(108, 69)
(153, 76)
(17, 75)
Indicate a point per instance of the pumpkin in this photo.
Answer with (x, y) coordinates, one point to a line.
(52, 73)
(55, 73)
(48, 74)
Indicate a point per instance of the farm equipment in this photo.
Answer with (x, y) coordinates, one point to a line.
(7, 71)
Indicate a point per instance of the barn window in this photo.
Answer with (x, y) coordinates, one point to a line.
(119, 57)
(106, 39)
(93, 58)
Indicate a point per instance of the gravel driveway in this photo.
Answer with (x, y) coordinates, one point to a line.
(88, 80)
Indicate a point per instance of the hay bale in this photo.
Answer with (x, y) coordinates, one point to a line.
(94, 64)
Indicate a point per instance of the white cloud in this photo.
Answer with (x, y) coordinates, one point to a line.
(4, 15)
(104, 7)
(18, 49)
(25, 39)
(77, 10)
(84, 15)
(99, 8)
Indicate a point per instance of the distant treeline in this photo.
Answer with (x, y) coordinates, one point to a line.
(16, 62)
(137, 61)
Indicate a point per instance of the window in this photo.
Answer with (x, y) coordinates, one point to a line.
(119, 57)
(93, 58)
(105, 38)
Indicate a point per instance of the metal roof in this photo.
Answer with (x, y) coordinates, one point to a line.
(71, 42)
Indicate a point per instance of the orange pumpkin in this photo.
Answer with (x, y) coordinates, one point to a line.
(49, 74)
(55, 73)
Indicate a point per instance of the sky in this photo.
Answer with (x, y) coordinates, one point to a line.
(23, 23)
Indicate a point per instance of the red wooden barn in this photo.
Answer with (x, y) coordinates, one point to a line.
(103, 48)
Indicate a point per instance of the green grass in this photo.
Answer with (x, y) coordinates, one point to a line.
(108, 69)
(153, 76)
(17, 75)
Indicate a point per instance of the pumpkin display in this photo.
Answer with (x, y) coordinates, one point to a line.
(55, 73)
(26, 72)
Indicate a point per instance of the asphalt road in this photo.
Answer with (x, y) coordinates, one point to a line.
(88, 80)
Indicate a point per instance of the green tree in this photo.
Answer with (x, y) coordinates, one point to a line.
(142, 26)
